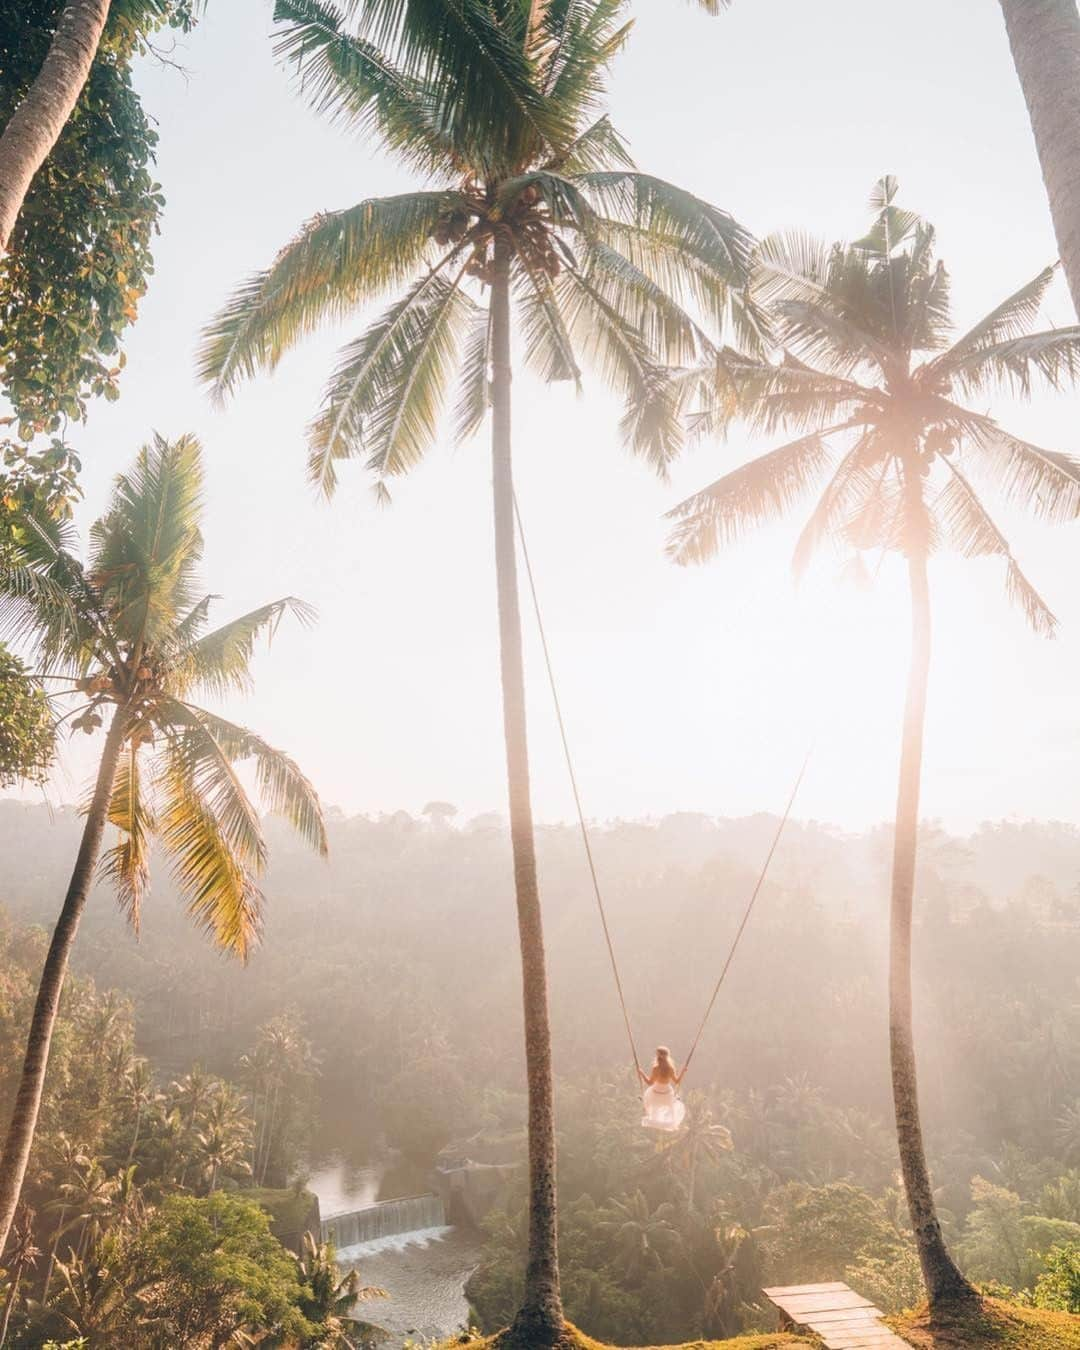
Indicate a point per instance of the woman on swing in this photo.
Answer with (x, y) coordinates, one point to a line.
(663, 1108)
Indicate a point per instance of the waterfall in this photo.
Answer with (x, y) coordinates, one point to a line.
(386, 1219)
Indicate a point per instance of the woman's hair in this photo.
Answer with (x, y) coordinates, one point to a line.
(664, 1060)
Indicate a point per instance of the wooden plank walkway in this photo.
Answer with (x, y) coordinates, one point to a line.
(842, 1318)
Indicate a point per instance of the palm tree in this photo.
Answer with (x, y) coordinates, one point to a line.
(224, 1139)
(872, 385)
(701, 1139)
(22, 1254)
(644, 1238)
(42, 115)
(330, 1296)
(129, 631)
(531, 203)
(1045, 39)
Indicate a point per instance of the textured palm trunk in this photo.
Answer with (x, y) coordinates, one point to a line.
(20, 1135)
(540, 1319)
(944, 1283)
(42, 115)
(1045, 40)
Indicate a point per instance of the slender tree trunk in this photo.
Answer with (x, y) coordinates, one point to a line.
(540, 1319)
(52, 1254)
(39, 119)
(9, 1302)
(944, 1282)
(20, 1135)
(1045, 40)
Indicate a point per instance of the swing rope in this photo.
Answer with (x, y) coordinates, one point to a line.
(750, 907)
(574, 785)
(588, 842)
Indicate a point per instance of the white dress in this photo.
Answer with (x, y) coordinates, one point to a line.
(663, 1108)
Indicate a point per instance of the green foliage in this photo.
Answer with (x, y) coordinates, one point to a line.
(210, 1268)
(816, 1231)
(1003, 1240)
(27, 737)
(1059, 1285)
(423, 1106)
(890, 1283)
(278, 1073)
(80, 255)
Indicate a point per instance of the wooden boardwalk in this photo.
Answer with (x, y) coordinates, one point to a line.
(842, 1318)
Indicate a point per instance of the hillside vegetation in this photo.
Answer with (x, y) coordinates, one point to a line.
(997, 1326)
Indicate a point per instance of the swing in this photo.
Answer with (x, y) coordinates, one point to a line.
(663, 1108)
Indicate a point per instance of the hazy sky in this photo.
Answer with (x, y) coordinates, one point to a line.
(684, 689)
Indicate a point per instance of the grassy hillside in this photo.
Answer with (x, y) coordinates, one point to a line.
(576, 1340)
(997, 1326)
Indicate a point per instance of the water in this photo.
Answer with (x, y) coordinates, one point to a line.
(342, 1187)
(402, 1245)
(424, 1275)
(387, 1218)
(360, 1252)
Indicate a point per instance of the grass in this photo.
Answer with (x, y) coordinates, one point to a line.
(577, 1340)
(995, 1325)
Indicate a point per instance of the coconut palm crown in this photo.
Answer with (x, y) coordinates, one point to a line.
(609, 267)
(129, 631)
(876, 384)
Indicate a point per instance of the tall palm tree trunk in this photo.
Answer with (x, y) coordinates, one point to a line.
(39, 119)
(1045, 40)
(540, 1320)
(944, 1282)
(20, 1135)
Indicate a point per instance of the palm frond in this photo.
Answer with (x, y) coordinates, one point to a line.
(974, 534)
(338, 261)
(651, 425)
(574, 42)
(1053, 356)
(599, 147)
(219, 891)
(670, 333)
(664, 211)
(283, 789)
(126, 866)
(473, 62)
(1045, 482)
(47, 601)
(352, 82)
(690, 278)
(822, 302)
(146, 548)
(219, 662)
(762, 490)
(205, 769)
(549, 349)
(474, 386)
(856, 479)
(1011, 319)
(389, 389)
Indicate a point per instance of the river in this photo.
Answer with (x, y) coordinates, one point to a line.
(423, 1272)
